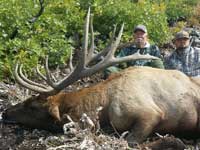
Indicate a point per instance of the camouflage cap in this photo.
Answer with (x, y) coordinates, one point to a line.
(181, 35)
(141, 28)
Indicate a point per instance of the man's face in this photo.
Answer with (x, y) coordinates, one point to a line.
(182, 43)
(140, 38)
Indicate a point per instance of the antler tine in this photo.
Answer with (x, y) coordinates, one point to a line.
(109, 51)
(116, 43)
(48, 74)
(85, 44)
(70, 62)
(114, 32)
(106, 50)
(109, 56)
(121, 46)
(27, 80)
(40, 74)
(34, 87)
(91, 50)
(133, 57)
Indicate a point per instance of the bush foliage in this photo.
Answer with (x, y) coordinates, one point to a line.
(31, 29)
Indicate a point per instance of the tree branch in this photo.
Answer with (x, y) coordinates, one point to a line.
(32, 20)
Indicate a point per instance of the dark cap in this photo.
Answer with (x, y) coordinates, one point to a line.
(141, 28)
(181, 35)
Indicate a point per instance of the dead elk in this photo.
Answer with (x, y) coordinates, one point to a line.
(142, 100)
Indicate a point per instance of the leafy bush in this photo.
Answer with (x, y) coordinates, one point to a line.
(194, 20)
(26, 41)
(110, 12)
(179, 10)
(57, 30)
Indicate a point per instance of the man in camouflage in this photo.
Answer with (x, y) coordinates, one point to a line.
(142, 46)
(185, 57)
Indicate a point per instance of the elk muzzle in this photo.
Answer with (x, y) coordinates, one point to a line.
(32, 113)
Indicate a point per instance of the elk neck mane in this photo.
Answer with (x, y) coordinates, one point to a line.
(84, 100)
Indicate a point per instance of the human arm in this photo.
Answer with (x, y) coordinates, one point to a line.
(155, 51)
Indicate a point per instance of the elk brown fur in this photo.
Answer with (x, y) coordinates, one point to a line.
(142, 100)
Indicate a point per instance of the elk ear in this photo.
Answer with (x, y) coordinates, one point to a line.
(54, 111)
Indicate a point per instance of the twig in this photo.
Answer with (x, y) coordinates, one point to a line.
(115, 129)
(32, 20)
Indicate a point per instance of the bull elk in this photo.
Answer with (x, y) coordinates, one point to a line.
(142, 100)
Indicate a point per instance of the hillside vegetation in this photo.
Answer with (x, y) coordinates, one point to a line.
(31, 29)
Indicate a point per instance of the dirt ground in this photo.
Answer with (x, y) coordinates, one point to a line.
(15, 137)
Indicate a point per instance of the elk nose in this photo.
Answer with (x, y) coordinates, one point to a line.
(5, 118)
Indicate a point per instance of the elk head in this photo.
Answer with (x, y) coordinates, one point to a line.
(42, 111)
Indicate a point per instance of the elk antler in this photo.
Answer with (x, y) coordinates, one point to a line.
(85, 67)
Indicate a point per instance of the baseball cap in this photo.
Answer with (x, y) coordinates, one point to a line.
(140, 27)
(181, 34)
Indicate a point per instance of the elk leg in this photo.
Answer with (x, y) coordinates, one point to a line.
(142, 128)
(198, 122)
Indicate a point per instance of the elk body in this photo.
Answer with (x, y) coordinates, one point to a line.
(142, 100)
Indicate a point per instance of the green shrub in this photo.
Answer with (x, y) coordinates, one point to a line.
(28, 42)
(110, 12)
(179, 9)
(54, 32)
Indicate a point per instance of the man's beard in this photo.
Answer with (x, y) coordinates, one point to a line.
(182, 47)
(140, 43)
(181, 50)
